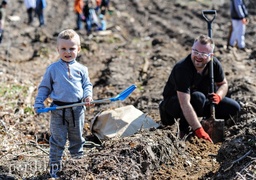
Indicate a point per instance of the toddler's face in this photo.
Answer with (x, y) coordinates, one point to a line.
(68, 49)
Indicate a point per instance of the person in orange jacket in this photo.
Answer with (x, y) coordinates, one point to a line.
(98, 4)
(78, 8)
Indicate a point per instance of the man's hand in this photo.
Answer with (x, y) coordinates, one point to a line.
(215, 98)
(202, 134)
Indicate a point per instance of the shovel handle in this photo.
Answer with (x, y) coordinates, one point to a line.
(209, 12)
(209, 21)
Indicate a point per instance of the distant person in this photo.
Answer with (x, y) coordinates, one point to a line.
(30, 5)
(186, 93)
(239, 16)
(98, 4)
(87, 17)
(2, 18)
(104, 6)
(65, 82)
(103, 23)
(93, 3)
(40, 6)
(78, 8)
(91, 18)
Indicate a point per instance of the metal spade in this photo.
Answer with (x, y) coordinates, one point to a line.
(214, 127)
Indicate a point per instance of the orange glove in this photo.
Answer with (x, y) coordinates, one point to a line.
(215, 98)
(202, 134)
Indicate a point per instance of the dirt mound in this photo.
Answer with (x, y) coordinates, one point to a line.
(147, 38)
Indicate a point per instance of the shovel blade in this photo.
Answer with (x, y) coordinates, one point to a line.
(215, 129)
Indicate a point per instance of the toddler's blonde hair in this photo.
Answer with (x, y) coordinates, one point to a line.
(69, 34)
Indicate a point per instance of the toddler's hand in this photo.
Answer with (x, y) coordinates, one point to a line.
(245, 21)
(36, 111)
(88, 101)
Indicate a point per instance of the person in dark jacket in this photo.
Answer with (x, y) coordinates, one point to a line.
(78, 8)
(104, 7)
(239, 16)
(2, 18)
(186, 93)
(40, 5)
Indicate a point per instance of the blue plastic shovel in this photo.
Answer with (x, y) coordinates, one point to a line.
(120, 97)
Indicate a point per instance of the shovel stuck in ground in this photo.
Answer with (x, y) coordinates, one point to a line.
(214, 127)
